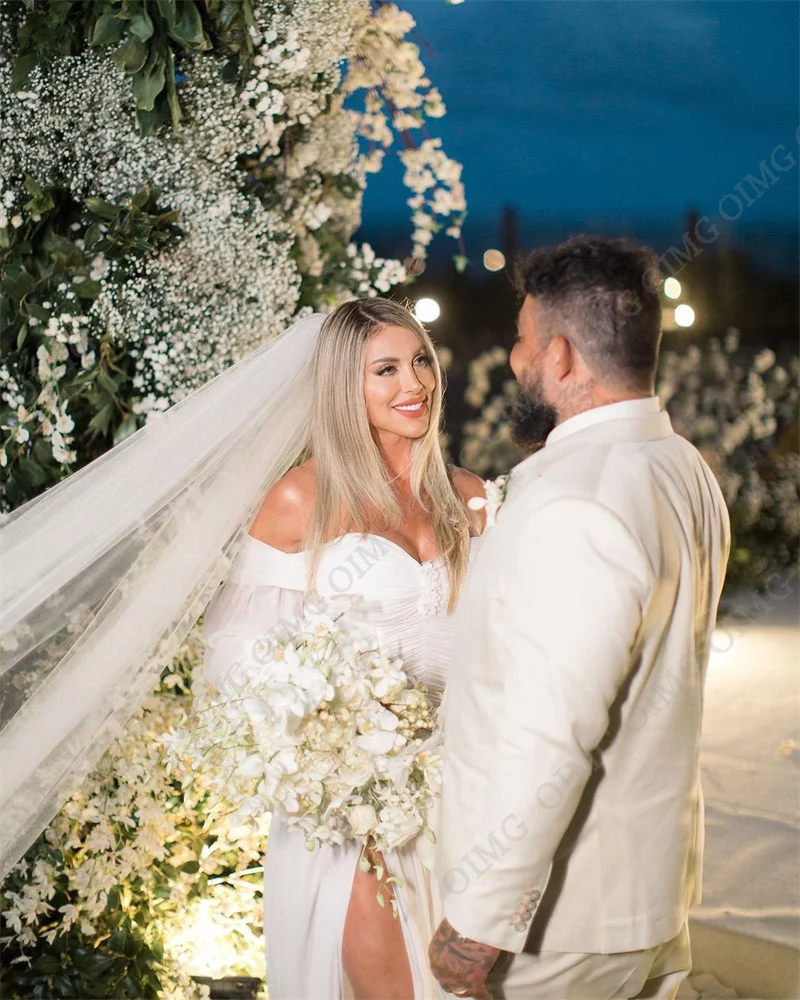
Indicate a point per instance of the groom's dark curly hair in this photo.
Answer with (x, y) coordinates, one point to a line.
(604, 295)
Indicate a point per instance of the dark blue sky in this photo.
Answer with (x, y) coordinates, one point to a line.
(604, 113)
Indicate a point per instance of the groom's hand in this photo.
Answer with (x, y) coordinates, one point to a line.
(460, 964)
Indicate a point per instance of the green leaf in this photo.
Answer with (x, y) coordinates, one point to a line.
(188, 27)
(131, 56)
(47, 964)
(149, 121)
(34, 309)
(166, 8)
(108, 29)
(22, 336)
(190, 867)
(61, 249)
(147, 85)
(32, 470)
(42, 200)
(166, 218)
(104, 209)
(18, 282)
(100, 421)
(88, 289)
(43, 454)
(107, 384)
(141, 198)
(22, 70)
(141, 25)
(15, 492)
(92, 235)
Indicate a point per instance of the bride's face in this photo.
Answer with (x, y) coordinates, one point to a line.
(399, 382)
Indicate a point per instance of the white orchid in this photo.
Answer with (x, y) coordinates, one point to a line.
(316, 722)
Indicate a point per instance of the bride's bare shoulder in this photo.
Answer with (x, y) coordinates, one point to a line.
(286, 509)
(469, 485)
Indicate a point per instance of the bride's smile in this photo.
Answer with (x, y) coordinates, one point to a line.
(399, 381)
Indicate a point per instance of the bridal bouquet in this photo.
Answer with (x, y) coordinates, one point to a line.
(318, 723)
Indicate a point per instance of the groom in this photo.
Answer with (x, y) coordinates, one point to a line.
(571, 832)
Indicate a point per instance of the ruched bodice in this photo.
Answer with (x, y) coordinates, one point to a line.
(402, 600)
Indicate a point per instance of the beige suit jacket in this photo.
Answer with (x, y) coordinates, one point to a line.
(572, 814)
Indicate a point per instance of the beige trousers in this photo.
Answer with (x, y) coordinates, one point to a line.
(654, 974)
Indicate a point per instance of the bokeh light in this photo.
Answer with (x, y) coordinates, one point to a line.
(672, 288)
(494, 260)
(427, 310)
(684, 315)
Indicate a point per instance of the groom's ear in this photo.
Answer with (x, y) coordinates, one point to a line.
(561, 357)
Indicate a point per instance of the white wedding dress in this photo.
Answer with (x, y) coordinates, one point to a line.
(306, 894)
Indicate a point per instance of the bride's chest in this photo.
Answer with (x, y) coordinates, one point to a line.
(383, 574)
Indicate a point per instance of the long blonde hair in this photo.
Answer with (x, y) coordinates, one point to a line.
(351, 475)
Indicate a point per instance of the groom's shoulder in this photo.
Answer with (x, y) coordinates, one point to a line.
(568, 469)
(602, 472)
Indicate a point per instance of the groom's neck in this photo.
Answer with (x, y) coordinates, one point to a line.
(590, 395)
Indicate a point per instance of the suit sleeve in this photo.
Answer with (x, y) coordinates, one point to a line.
(564, 621)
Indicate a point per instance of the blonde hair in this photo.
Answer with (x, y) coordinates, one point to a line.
(352, 478)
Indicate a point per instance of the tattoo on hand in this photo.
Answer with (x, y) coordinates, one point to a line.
(459, 963)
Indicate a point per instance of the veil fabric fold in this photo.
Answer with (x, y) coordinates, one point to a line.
(104, 575)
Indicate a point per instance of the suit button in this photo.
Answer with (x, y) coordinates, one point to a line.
(521, 926)
(535, 895)
(530, 907)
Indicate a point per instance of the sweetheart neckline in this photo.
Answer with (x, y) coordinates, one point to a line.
(352, 534)
(359, 534)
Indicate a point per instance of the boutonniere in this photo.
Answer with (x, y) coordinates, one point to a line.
(493, 501)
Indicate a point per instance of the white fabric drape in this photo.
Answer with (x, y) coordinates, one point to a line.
(104, 574)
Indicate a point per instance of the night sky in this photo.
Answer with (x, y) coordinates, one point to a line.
(610, 115)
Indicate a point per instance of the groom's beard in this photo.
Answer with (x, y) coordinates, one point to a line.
(530, 417)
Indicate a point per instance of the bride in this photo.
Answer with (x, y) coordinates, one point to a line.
(106, 573)
(374, 512)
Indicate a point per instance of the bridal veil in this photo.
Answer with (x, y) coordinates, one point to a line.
(104, 575)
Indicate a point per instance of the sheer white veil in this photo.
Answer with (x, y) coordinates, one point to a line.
(104, 575)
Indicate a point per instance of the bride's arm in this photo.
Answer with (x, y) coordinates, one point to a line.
(238, 613)
(262, 588)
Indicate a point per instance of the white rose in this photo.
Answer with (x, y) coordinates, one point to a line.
(362, 819)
